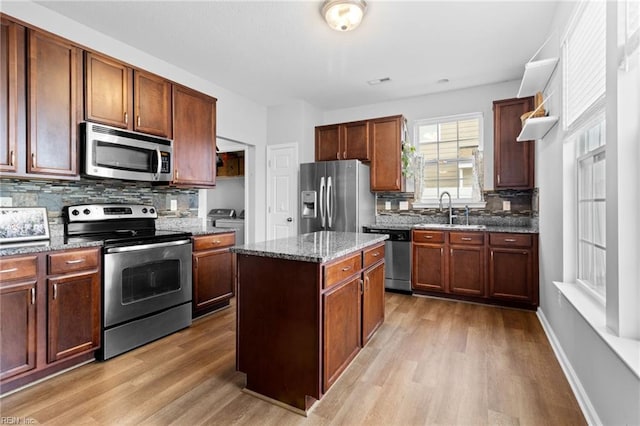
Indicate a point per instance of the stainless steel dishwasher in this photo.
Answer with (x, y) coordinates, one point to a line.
(397, 257)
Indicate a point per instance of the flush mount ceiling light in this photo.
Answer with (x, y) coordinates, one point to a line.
(343, 15)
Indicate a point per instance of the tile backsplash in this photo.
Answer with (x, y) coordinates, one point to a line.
(54, 195)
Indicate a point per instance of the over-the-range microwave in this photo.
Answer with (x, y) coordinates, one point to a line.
(112, 153)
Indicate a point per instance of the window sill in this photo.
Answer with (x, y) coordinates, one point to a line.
(593, 312)
(454, 204)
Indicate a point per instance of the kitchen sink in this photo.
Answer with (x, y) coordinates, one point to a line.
(449, 226)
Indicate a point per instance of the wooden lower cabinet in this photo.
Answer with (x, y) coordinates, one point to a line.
(213, 272)
(73, 315)
(372, 301)
(49, 314)
(17, 316)
(341, 340)
(499, 268)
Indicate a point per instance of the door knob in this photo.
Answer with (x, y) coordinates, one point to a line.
(289, 219)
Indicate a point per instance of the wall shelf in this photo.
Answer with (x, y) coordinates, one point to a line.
(536, 128)
(536, 76)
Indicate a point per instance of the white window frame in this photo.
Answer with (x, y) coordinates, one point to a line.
(456, 202)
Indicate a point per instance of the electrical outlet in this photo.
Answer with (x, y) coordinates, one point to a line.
(6, 202)
(404, 205)
(174, 205)
(387, 205)
(506, 205)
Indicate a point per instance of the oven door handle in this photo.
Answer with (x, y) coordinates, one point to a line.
(146, 246)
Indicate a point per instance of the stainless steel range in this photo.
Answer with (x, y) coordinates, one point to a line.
(146, 283)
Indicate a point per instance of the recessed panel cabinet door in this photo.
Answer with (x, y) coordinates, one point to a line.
(11, 86)
(386, 147)
(74, 315)
(17, 328)
(341, 329)
(372, 301)
(152, 104)
(328, 142)
(466, 270)
(194, 137)
(511, 274)
(213, 278)
(429, 267)
(54, 108)
(108, 91)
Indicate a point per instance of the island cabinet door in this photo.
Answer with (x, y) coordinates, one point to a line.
(341, 329)
(372, 301)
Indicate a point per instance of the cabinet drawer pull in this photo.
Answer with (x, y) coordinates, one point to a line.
(5, 271)
(214, 242)
(428, 237)
(346, 268)
(466, 238)
(126, 118)
(33, 296)
(73, 262)
(376, 254)
(509, 240)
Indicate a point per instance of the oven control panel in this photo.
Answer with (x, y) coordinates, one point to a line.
(91, 212)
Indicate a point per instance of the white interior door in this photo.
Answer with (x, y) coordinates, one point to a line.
(282, 190)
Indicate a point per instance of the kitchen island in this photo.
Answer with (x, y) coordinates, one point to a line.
(306, 305)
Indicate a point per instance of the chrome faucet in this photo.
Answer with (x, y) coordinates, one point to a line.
(451, 215)
(466, 213)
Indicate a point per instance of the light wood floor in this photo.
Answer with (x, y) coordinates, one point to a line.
(432, 362)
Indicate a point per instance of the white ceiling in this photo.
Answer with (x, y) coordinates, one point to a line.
(276, 51)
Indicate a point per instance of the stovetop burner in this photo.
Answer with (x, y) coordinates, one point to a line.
(115, 224)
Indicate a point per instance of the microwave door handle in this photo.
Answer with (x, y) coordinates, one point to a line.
(159, 167)
(321, 201)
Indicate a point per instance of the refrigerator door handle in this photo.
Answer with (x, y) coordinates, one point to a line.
(329, 202)
(321, 201)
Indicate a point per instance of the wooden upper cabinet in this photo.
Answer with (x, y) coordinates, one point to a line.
(346, 141)
(513, 161)
(152, 104)
(194, 138)
(54, 105)
(328, 142)
(122, 97)
(12, 59)
(108, 88)
(386, 146)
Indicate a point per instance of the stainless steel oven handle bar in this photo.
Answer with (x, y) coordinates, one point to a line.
(147, 246)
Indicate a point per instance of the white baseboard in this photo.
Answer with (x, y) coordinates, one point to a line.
(587, 408)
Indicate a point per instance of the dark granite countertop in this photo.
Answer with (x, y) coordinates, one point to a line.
(56, 242)
(317, 247)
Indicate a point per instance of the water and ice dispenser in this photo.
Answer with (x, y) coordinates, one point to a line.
(309, 204)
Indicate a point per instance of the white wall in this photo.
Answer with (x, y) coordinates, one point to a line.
(606, 385)
(294, 123)
(475, 99)
(228, 194)
(237, 117)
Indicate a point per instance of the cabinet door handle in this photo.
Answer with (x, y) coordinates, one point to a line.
(12, 156)
(6, 271)
(361, 287)
(126, 118)
(344, 155)
(337, 155)
(498, 177)
(73, 262)
(195, 263)
(466, 238)
(177, 175)
(509, 240)
(55, 291)
(346, 268)
(33, 296)
(33, 160)
(138, 119)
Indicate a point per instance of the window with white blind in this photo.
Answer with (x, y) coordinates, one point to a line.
(450, 159)
(584, 71)
(583, 54)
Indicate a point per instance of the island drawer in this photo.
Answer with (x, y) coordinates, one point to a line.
(18, 268)
(207, 242)
(373, 255)
(428, 236)
(466, 238)
(510, 240)
(337, 272)
(72, 261)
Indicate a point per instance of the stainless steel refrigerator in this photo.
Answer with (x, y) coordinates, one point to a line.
(335, 196)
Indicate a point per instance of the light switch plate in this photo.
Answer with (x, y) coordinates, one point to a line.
(387, 205)
(174, 205)
(404, 205)
(506, 205)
